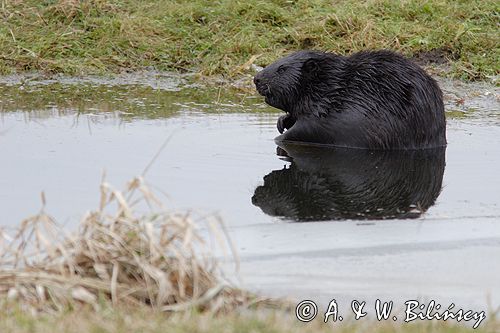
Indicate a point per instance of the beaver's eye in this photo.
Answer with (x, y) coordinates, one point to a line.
(281, 69)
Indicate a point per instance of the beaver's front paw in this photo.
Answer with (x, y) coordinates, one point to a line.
(286, 121)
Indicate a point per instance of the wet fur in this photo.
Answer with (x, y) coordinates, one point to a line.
(372, 100)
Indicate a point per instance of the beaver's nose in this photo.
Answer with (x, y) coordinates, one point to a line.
(256, 80)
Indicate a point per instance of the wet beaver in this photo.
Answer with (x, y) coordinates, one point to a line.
(371, 99)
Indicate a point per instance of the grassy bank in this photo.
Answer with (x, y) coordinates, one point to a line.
(226, 36)
(141, 321)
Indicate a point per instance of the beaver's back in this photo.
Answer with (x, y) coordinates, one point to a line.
(381, 101)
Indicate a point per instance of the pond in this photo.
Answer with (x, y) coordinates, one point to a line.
(394, 226)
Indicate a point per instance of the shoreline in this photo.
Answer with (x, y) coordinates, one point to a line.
(226, 38)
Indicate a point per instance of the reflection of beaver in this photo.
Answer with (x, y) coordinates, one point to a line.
(338, 183)
(376, 100)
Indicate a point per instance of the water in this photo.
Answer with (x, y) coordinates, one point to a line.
(440, 238)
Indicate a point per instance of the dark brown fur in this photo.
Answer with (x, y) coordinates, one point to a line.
(371, 100)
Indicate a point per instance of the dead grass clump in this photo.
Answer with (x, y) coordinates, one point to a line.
(158, 259)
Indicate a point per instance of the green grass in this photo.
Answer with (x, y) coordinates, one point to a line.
(220, 37)
(141, 320)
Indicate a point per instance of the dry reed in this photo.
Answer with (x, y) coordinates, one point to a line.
(117, 256)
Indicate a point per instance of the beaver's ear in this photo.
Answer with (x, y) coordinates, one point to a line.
(310, 66)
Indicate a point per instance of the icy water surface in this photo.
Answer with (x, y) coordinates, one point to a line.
(397, 226)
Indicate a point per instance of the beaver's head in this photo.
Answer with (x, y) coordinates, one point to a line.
(288, 80)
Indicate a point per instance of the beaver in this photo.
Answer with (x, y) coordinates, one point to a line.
(370, 100)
